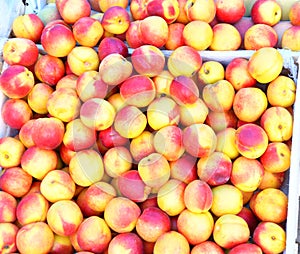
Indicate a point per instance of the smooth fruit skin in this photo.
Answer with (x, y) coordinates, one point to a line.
(72, 10)
(20, 51)
(263, 70)
(35, 238)
(16, 81)
(270, 237)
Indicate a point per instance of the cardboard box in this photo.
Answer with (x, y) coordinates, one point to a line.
(291, 185)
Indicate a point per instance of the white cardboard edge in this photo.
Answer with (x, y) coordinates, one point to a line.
(294, 186)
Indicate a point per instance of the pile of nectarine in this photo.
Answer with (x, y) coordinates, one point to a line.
(124, 148)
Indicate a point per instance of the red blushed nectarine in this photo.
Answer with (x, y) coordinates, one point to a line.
(66, 154)
(109, 45)
(35, 238)
(33, 207)
(129, 243)
(78, 136)
(175, 38)
(168, 142)
(248, 215)
(133, 35)
(38, 97)
(265, 64)
(246, 174)
(249, 104)
(214, 169)
(198, 196)
(114, 69)
(161, 112)
(148, 60)
(219, 96)
(198, 35)
(97, 114)
(207, 247)
(130, 121)
(260, 35)
(131, 185)
(48, 133)
(170, 197)
(62, 244)
(184, 169)
(20, 51)
(154, 31)
(138, 8)
(8, 233)
(93, 234)
(167, 9)
(93, 200)
(154, 170)
(182, 16)
(221, 206)
(251, 140)
(199, 140)
(200, 10)
(81, 59)
(142, 145)
(115, 20)
(230, 11)
(111, 138)
(183, 90)
(15, 113)
(72, 10)
(86, 167)
(57, 185)
(57, 39)
(184, 61)
(233, 39)
(195, 227)
(277, 123)
(237, 74)
(152, 223)
(87, 31)
(38, 162)
(15, 181)
(138, 90)
(105, 4)
(49, 69)
(294, 14)
(268, 200)
(8, 207)
(28, 26)
(226, 143)
(67, 81)
(276, 158)
(115, 217)
(64, 217)
(281, 91)
(12, 150)
(210, 72)
(171, 242)
(117, 160)
(266, 12)
(246, 247)
(230, 230)
(219, 121)
(270, 237)
(16, 81)
(89, 85)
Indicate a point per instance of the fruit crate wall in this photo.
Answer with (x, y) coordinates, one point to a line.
(292, 60)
